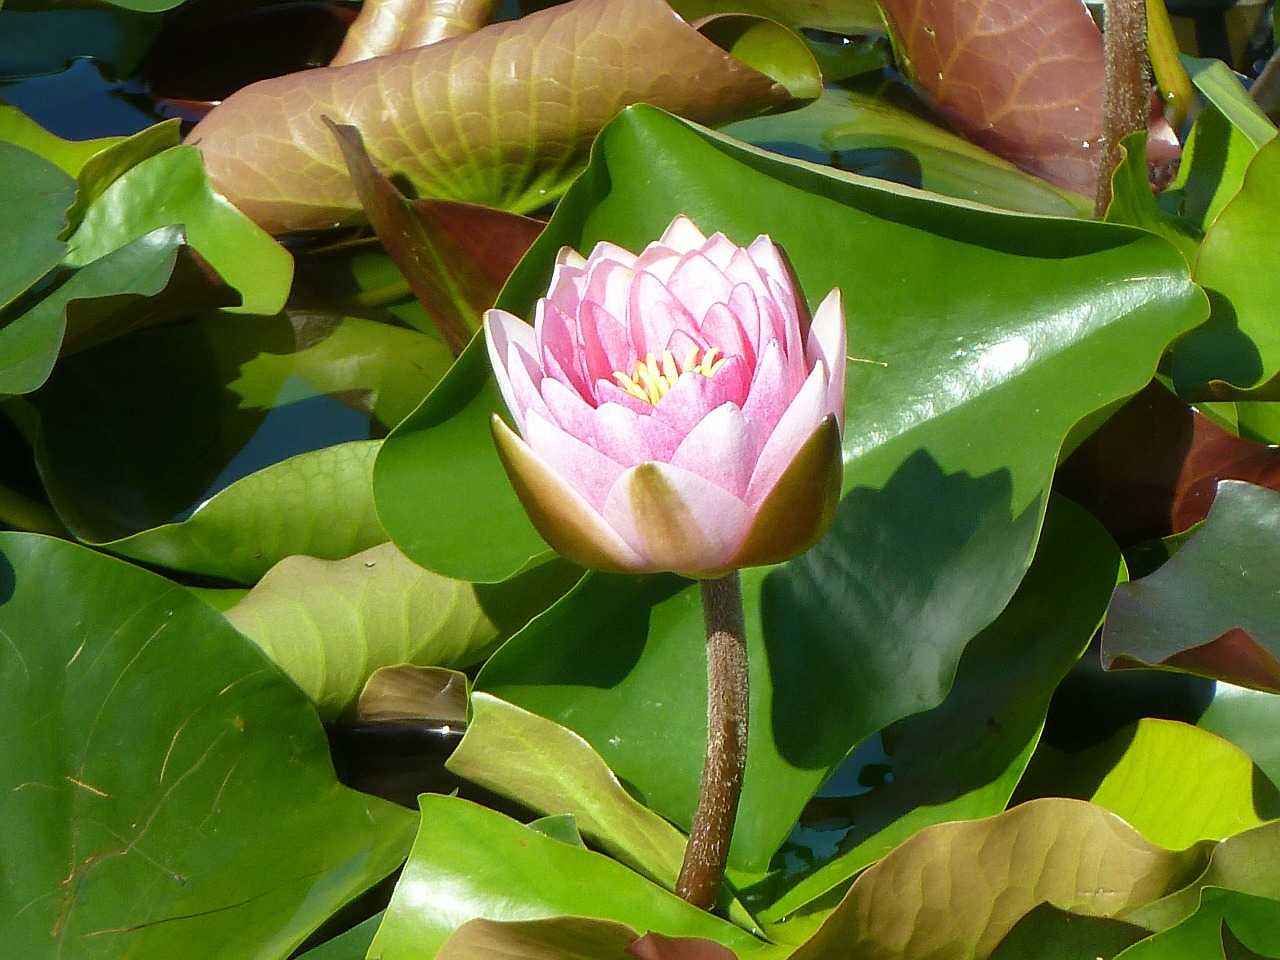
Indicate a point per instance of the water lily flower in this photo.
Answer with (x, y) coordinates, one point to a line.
(677, 410)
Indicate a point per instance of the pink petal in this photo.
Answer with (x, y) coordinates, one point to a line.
(768, 397)
(698, 284)
(720, 328)
(654, 315)
(719, 249)
(608, 283)
(718, 450)
(677, 520)
(742, 269)
(567, 280)
(608, 391)
(827, 344)
(561, 353)
(629, 437)
(506, 333)
(682, 236)
(569, 411)
(581, 465)
(604, 250)
(768, 259)
(794, 427)
(606, 343)
(561, 515)
(691, 399)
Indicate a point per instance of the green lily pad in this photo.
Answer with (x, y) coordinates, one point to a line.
(1213, 609)
(173, 788)
(154, 279)
(1249, 719)
(1241, 342)
(230, 442)
(469, 862)
(329, 624)
(1179, 785)
(552, 770)
(35, 194)
(972, 327)
(1246, 920)
(1047, 933)
(1248, 862)
(962, 759)
(171, 187)
(1222, 142)
(873, 136)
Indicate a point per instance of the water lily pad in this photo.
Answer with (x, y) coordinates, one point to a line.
(1213, 609)
(469, 862)
(173, 788)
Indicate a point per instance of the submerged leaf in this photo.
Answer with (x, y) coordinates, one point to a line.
(503, 117)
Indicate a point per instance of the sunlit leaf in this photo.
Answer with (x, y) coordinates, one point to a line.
(1178, 785)
(1241, 342)
(1224, 916)
(171, 187)
(1247, 862)
(469, 863)
(552, 770)
(388, 26)
(503, 117)
(329, 624)
(958, 889)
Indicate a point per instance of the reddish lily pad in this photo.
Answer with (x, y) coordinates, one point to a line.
(1023, 78)
(1153, 468)
(1214, 609)
(503, 117)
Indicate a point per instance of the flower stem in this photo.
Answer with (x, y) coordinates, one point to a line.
(708, 851)
(1124, 43)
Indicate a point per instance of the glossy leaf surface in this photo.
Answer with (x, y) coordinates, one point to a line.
(469, 863)
(970, 324)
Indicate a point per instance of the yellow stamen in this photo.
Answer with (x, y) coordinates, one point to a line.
(654, 378)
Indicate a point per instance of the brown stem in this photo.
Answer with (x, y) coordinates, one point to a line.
(708, 851)
(1128, 99)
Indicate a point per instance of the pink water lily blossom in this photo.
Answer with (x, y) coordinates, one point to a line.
(677, 410)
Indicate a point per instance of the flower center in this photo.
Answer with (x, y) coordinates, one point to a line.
(653, 377)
